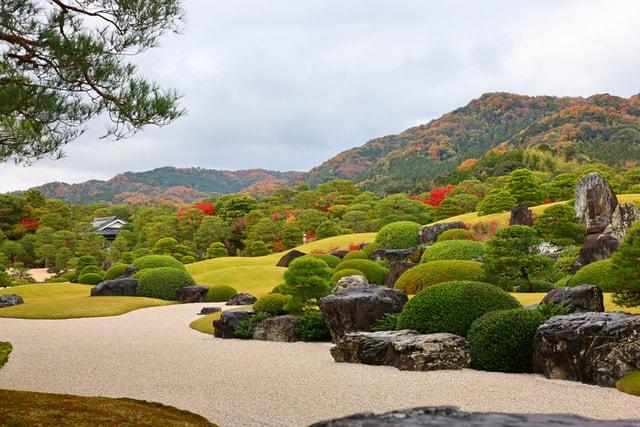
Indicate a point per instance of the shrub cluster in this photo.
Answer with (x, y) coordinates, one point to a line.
(257, 248)
(90, 279)
(115, 271)
(85, 261)
(455, 234)
(374, 272)
(163, 282)
(245, 328)
(216, 250)
(399, 235)
(155, 261)
(91, 269)
(431, 273)
(273, 304)
(453, 249)
(219, 293)
(311, 327)
(599, 273)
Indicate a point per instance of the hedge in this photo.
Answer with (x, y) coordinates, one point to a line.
(90, 279)
(455, 234)
(431, 273)
(453, 306)
(453, 249)
(155, 261)
(219, 293)
(399, 235)
(374, 272)
(163, 283)
(115, 271)
(597, 273)
(335, 278)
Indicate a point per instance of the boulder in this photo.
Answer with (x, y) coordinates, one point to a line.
(595, 200)
(129, 271)
(340, 253)
(405, 350)
(225, 325)
(192, 293)
(359, 309)
(288, 257)
(395, 271)
(391, 254)
(242, 298)
(8, 300)
(521, 215)
(594, 348)
(549, 249)
(451, 416)
(277, 328)
(623, 216)
(355, 281)
(209, 310)
(115, 288)
(430, 233)
(581, 298)
(596, 247)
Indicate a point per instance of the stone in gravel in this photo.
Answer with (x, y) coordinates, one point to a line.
(581, 298)
(430, 233)
(242, 298)
(594, 348)
(9, 300)
(595, 200)
(521, 215)
(406, 350)
(277, 328)
(451, 416)
(395, 271)
(224, 326)
(209, 310)
(354, 281)
(391, 254)
(359, 309)
(188, 294)
(288, 257)
(115, 288)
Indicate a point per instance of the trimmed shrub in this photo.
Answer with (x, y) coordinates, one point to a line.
(327, 229)
(368, 249)
(502, 341)
(453, 306)
(115, 271)
(91, 269)
(163, 282)
(272, 303)
(307, 280)
(355, 255)
(219, 293)
(388, 322)
(155, 261)
(567, 259)
(599, 273)
(453, 249)
(245, 328)
(187, 259)
(630, 383)
(216, 250)
(70, 275)
(562, 283)
(374, 272)
(51, 280)
(279, 289)
(90, 279)
(258, 248)
(331, 260)
(311, 327)
(431, 273)
(127, 258)
(550, 309)
(399, 235)
(335, 278)
(85, 261)
(455, 234)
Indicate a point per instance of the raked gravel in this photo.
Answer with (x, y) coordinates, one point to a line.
(152, 354)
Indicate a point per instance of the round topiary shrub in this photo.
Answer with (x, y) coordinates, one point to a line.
(455, 234)
(368, 249)
(597, 273)
(630, 383)
(272, 303)
(355, 255)
(216, 250)
(163, 283)
(399, 235)
(90, 279)
(453, 249)
(335, 278)
(219, 293)
(431, 273)
(91, 269)
(155, 261)
(374, 272)
(331, 260)
(453, 306)
(115, 271)
(188, 259)
(258, 248)
(85, 261)
(502, 341)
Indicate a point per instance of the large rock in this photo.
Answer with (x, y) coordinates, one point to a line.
(191, 293)
(430, 233)
(395, 271)
(391, 254)
(359, 309)
(405, 350)
(623, 216)
(451, 416)
(355, 281)
(224, 326)
(209, 310)
(115, 288)
(242, 298)
(596, 247)
(594, 348)
(581, 298)
(521, 215)
(288, 257)
(595, 200)
(277, 328)
(9, 300)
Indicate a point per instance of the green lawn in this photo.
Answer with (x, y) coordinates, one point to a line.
(67, 301)
(5, 349)
(204, 324)
(22, 408)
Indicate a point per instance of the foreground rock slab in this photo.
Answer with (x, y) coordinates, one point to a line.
(115, 288)
(242, 299)
(594, 348)
(277, 328)
(359, 309)
(406, 350)
(189, 294)
(451, 416)
(10, 300)
(225, 325)
(391, 254)
(583, 298)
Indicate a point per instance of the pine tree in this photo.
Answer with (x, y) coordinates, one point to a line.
(558, 224)
(524, 186)
(626, 268)
(496, 200)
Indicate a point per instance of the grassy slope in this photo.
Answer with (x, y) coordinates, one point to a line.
(66, 301)
(22, 408)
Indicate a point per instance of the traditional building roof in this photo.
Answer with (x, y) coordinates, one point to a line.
(108, 226)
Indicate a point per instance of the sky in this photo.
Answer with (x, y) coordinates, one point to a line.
(285, 84)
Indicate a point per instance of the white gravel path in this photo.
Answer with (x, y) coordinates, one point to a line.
(152, 354)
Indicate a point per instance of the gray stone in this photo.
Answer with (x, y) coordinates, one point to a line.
(451, 416)
(581, 298)
(395, 271)
(115, 288)
(354, 281)
(242, 298)
(430, 233)
(288, 257)
(359, 309)
(594, 348)
(623, 216)
(405, 350)
(191, 293)
(9, 300)
(209, 310)
(521, 215)
(129, 271)
(391, 254)
(549, 249)
(277, 328)
(225, 325)
(595, 200)
(596, 247)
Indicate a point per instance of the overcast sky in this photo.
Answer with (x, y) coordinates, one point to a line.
(287, 84)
